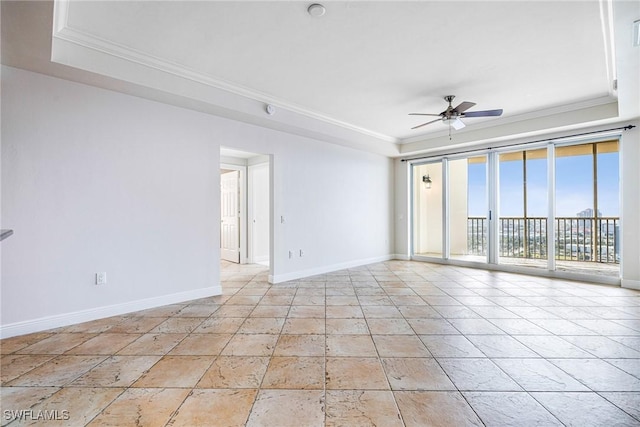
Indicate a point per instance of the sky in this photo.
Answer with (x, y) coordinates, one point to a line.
(574, 187)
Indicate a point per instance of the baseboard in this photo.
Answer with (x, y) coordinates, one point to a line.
(66, 319)
(279, 278)
(401, 257)
(630, 284)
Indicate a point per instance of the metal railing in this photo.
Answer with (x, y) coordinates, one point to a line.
(577, 238)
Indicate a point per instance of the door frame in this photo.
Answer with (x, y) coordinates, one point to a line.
(242, 199)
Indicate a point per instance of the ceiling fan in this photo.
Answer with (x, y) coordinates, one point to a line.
(451, 116)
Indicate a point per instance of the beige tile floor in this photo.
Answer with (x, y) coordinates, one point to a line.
(389, 344)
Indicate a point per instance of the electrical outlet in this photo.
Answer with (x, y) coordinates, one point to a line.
(101, 278)
(301, 253)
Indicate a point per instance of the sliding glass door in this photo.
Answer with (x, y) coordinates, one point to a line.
(468, 209)
(450, 209)
(587, 215)
(428, 210)
(548, 207)
(522, 208)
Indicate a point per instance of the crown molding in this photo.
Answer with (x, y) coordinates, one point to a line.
(62, 31)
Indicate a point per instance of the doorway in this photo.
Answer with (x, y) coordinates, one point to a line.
(245, 205)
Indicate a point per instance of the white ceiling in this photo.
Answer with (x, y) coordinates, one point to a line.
(362, 67)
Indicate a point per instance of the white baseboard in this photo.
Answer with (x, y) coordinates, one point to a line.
(630, 284)
(66, 319)
(401, 257)
(279, 278)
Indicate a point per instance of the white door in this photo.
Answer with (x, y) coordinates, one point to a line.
(230, 217)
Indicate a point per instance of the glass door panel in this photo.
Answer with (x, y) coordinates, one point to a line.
(468, 223)
(587, 223)
(522, 209)
(428, 210)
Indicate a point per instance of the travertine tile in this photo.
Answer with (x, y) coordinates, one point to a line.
(201, 345)
(477, 375)
(302, 326)
(351, 345)
(552, 346)
(301, 373)
(106, 343)
(116, 371)
(152, 344)
(178, 325)
(58, 372)
(539, 375)
(510, 409)
(598, 375)
(77, 405)
(15, 399)
(583, 409)
(361, 408)
(261, 325)
(347, 326)
(297, 311)
(220, 325)
(300, 345)
(366, 335)
(347, 373)
(432, 327)
(215, 408)
(251, 345)
(10, 345)
(197, 310)
(142, 407)
(136, 325)
(501, 346)
(288, 408)
(400, 346)
(263, 310)
(12, 366)
(427, 408)
(235, 372)
(57, 344)
(416, 374)
(450, 346)
(389, 327)
(175, 371)
(603, 347)
(419, 312)
(344, 312)
(627, 401)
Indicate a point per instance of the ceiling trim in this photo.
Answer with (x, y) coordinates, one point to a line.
(62, 31)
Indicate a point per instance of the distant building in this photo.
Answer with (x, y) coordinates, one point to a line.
(588, 213)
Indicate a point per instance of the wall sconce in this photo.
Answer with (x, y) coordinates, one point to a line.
(427, 181)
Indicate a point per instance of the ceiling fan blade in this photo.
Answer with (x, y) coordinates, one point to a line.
(485, 113)
(424, 124)
(464, 106)
(423, 114)
(457, 124)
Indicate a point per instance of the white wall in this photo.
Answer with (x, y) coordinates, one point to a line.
(94, 180)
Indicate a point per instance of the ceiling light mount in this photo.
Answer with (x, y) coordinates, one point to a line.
(316, 10)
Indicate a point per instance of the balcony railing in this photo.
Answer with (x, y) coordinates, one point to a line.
(577, 238)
